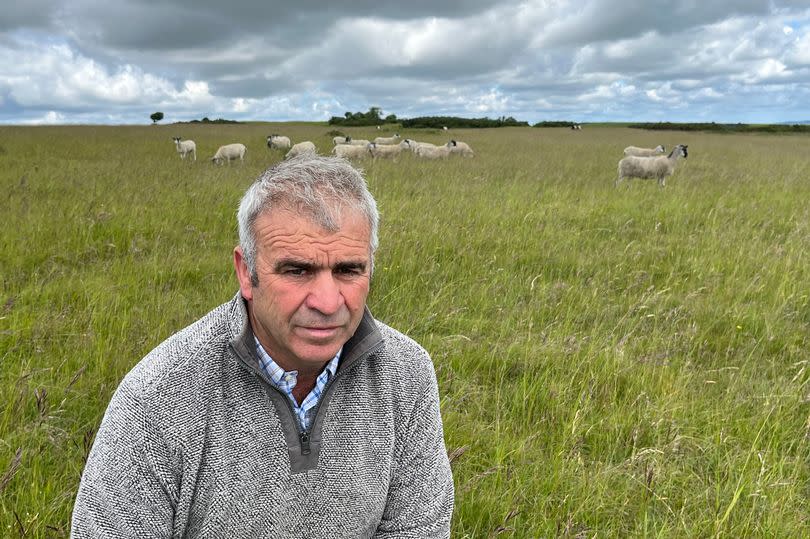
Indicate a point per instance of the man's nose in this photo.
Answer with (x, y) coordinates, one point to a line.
(325, 295)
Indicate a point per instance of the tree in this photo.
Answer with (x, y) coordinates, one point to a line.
(156, 117)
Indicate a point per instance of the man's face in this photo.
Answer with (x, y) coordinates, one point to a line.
(312, 286)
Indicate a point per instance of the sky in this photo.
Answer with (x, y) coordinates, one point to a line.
(118, 61)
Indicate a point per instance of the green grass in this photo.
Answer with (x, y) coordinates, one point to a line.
(612, 362)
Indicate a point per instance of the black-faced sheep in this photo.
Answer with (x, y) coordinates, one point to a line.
(278, 142)
(185, 147)
(651, 167)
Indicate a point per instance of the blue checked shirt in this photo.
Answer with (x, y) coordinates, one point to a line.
(286, 380)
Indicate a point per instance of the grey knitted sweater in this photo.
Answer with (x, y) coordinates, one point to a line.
(197, 443)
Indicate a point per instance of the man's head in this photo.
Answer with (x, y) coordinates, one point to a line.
(307, 232)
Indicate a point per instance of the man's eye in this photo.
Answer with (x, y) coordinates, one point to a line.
(295, 271)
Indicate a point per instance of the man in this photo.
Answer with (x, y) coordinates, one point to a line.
(288, 411)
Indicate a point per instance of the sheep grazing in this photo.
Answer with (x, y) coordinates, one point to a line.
(576, 127)
(341, 140)
(384, 151)
(278, 142)
(651, 167)
(229, 152)
(460, 148)
(185, 147)
(387, 140)
(357, 142)
(350, 151)
(433, 152)
(301, 148)
(444, 128)
(644, 152)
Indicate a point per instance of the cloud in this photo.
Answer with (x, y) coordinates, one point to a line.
(532, 59)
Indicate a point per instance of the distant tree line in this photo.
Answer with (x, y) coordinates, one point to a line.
(438, 122)
(554, 124)
(723, 128)
(217, 121)
(372, 117)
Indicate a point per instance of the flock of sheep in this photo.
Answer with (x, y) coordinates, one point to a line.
(379, 148)
(650, 163)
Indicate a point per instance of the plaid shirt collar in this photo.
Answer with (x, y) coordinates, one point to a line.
(286, 381)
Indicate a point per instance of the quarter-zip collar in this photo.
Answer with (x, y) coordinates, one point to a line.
(304, 447)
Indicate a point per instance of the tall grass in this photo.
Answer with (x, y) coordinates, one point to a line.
(612, 362)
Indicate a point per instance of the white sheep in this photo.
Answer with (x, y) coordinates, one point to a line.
(228, 152)
(387, 140)
(301, 148)
(384, 151)
(357, 142)
(341, 140)
(461, 148)
(185, 147)
(350, 151)
(414, 145)
(278, 141)
(644, 152)
(433, 152)
(650, 167)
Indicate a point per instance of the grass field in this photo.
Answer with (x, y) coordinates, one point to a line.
(612, 362)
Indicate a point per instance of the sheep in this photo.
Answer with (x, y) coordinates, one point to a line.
(350, 151)
(301, 148)
(461, 148)
(385, 151)
(650, 167)
(228, 152)
(414, 145)
(278, 141)
(644, 152)
(185, 147)
(357, 142)
(433, 152)
(387, 140)
(341, 140)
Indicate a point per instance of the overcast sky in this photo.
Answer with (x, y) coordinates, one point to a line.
(117, 61)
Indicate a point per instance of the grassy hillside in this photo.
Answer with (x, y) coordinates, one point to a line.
(612, 362)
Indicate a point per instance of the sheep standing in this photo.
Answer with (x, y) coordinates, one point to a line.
(644, 152)
(387, 140)
(350, 151)
(279, 142)
(341, 140)
(414, 145)
(229, 152)
(357, 142)
(433, 152)
(301, 148)
(384, 151)
(185, 147)
(461, 148)
(651, 167)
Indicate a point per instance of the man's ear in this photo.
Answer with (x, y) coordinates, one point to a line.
(242, 273)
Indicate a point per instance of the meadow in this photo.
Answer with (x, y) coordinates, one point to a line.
(612, 362)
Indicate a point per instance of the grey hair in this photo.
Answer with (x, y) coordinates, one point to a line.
(315, 185)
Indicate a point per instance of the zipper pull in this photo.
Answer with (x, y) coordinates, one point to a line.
(305, 443)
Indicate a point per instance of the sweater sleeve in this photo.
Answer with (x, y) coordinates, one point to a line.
(126, 486)
(420, 497)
